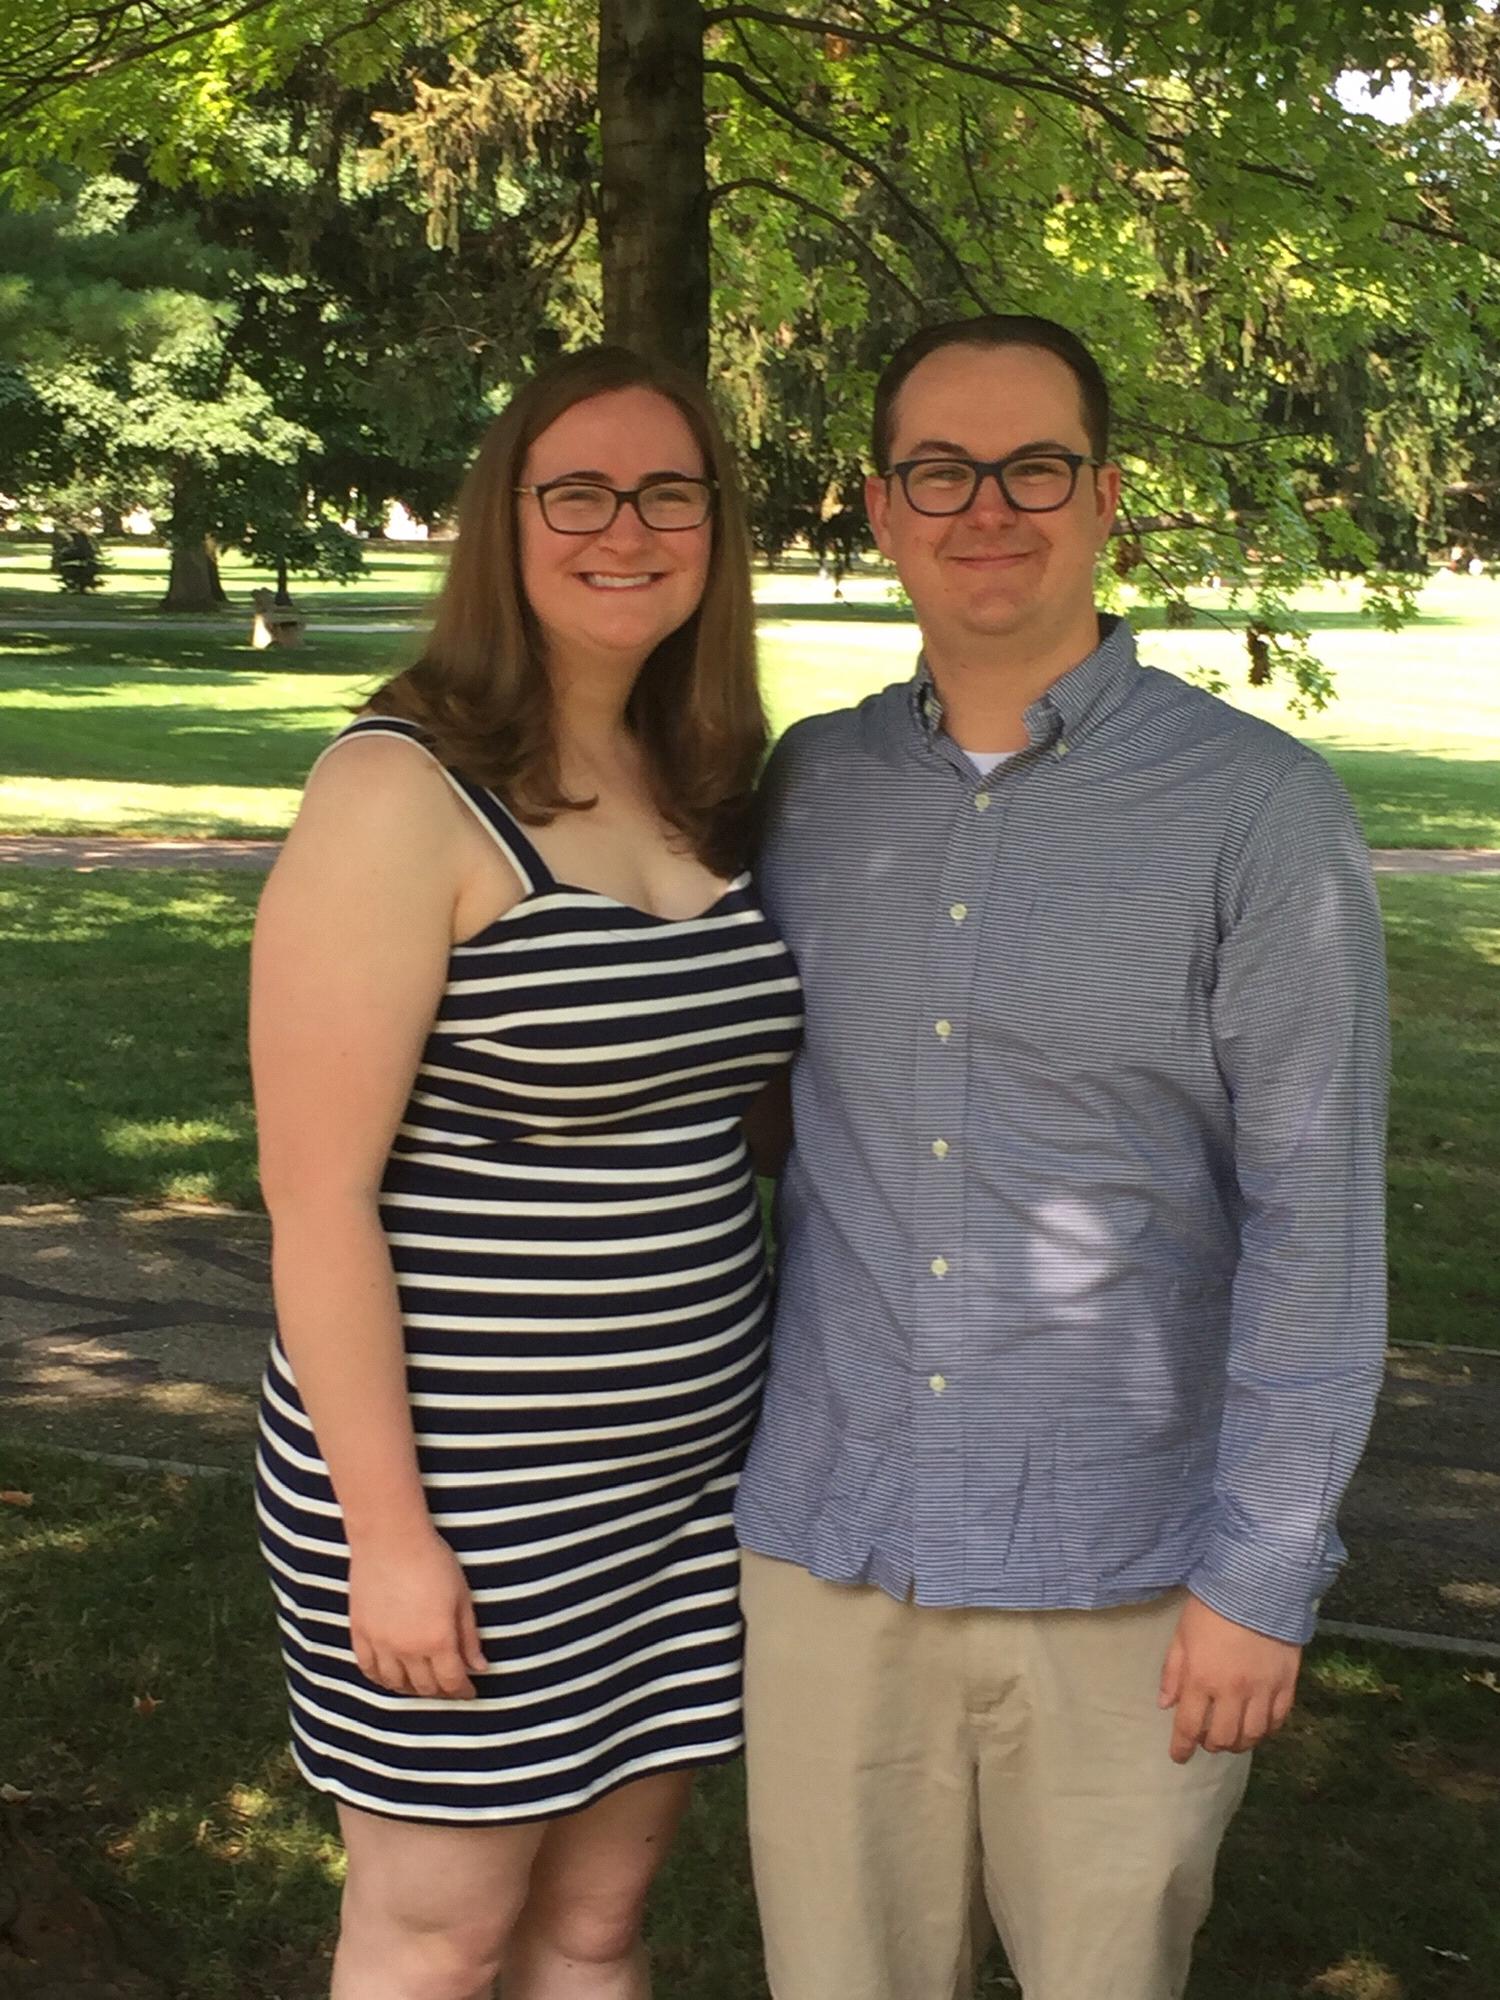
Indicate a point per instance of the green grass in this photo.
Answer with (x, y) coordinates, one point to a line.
(122, 1041)
(1443, 937)
(397, 582)
(1365, 1848)
(122, 1033)
(169, 731)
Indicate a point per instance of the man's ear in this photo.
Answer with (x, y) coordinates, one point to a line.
(1106, 499)
(878, 507)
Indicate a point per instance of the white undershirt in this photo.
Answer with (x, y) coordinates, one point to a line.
(984, 761)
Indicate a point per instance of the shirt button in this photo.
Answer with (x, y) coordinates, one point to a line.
(942, 1029)
(940, 1148)
(1061, 750)
(937, 1384)
(981, 802)
(958, 911)
(940, 1267)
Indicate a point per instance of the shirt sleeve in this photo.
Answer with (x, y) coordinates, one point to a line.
(1301, 1038)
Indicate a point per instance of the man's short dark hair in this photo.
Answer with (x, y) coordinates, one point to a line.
(996, 330)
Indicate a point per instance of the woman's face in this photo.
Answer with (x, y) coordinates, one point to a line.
(613, 594)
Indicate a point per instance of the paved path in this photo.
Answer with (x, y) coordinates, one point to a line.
(85, 852)
(138, 1330)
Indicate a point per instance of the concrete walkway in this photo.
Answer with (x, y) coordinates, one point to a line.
(83, 853)
(138, 1331)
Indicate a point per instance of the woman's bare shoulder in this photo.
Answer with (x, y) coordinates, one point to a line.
(378, 784)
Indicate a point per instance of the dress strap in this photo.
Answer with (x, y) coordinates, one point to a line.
(496, 818)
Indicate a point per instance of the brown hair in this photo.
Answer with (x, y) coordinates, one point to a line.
(994, 330)
(480, 690)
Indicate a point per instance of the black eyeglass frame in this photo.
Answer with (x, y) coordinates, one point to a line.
(620, 496)
(985, 468)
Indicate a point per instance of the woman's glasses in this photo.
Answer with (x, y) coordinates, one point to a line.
(585, 507)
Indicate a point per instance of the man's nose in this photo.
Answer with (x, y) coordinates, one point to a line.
(990, 501)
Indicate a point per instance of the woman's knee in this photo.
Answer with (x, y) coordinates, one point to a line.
(597, 1928)
(421, 1957)
(425, 1954)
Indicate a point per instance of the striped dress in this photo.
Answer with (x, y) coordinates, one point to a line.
(574, 1228)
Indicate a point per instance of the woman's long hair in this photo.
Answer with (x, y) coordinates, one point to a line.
(480, 690)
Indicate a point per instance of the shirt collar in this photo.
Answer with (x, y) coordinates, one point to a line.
(1075, 703)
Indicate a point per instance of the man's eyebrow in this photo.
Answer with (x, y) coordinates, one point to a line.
(946, 448)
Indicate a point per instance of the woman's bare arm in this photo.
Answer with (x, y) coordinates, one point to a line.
(350, 954)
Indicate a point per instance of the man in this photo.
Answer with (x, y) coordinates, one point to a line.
(1082, 1283)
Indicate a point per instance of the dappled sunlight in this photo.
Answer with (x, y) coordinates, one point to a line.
(1358, 1977)
(1342, 1673)
(47, 911)
(84, 806)
(150, 1138)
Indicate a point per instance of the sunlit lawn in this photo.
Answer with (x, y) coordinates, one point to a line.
(122, 1029)
(144, 1711)
(1363, 1865)
(160, 729)
(396, 582)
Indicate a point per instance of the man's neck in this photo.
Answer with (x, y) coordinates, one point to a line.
(986, 689)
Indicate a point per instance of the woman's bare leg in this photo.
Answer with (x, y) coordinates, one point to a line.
(427, 1909)
(579, 1933)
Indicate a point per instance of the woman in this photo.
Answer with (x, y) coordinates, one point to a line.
(511, 995)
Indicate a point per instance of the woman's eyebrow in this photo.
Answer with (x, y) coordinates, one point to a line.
(603, 478)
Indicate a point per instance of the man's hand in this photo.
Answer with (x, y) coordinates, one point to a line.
(1231, 1687)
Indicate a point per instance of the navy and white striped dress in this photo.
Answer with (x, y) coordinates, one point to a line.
(576, 1238)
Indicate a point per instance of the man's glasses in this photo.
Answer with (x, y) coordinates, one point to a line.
(1033, 482)
(584, 507)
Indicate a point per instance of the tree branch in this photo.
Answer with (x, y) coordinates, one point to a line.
(936, 57)
(97, 57)
(821, 136)
(838, 222)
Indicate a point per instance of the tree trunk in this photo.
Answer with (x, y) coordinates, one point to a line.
(193, 583)
(283, 582)
(653, 212)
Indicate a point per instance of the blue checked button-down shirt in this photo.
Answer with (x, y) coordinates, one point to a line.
(1082, 1277)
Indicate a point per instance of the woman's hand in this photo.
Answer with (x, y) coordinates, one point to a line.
(411, 1617)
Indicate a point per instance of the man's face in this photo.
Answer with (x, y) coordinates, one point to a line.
(994, 572)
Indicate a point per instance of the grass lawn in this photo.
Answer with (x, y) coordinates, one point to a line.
(144, 1713)
(163, 730)
(122, 1032)
(397, 582)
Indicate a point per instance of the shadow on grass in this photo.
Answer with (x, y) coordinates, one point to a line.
(139, 656)
(1409, 800)
(147, 1716)
(145, 1711)
(1210, 618)
(819, 612)
(1443, 940)
(176, 745)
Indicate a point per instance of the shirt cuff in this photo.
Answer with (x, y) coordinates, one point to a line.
(1267, 1589)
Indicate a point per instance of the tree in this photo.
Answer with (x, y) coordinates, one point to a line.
(1287, 288)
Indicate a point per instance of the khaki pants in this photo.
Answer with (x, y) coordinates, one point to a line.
(915, 1772)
